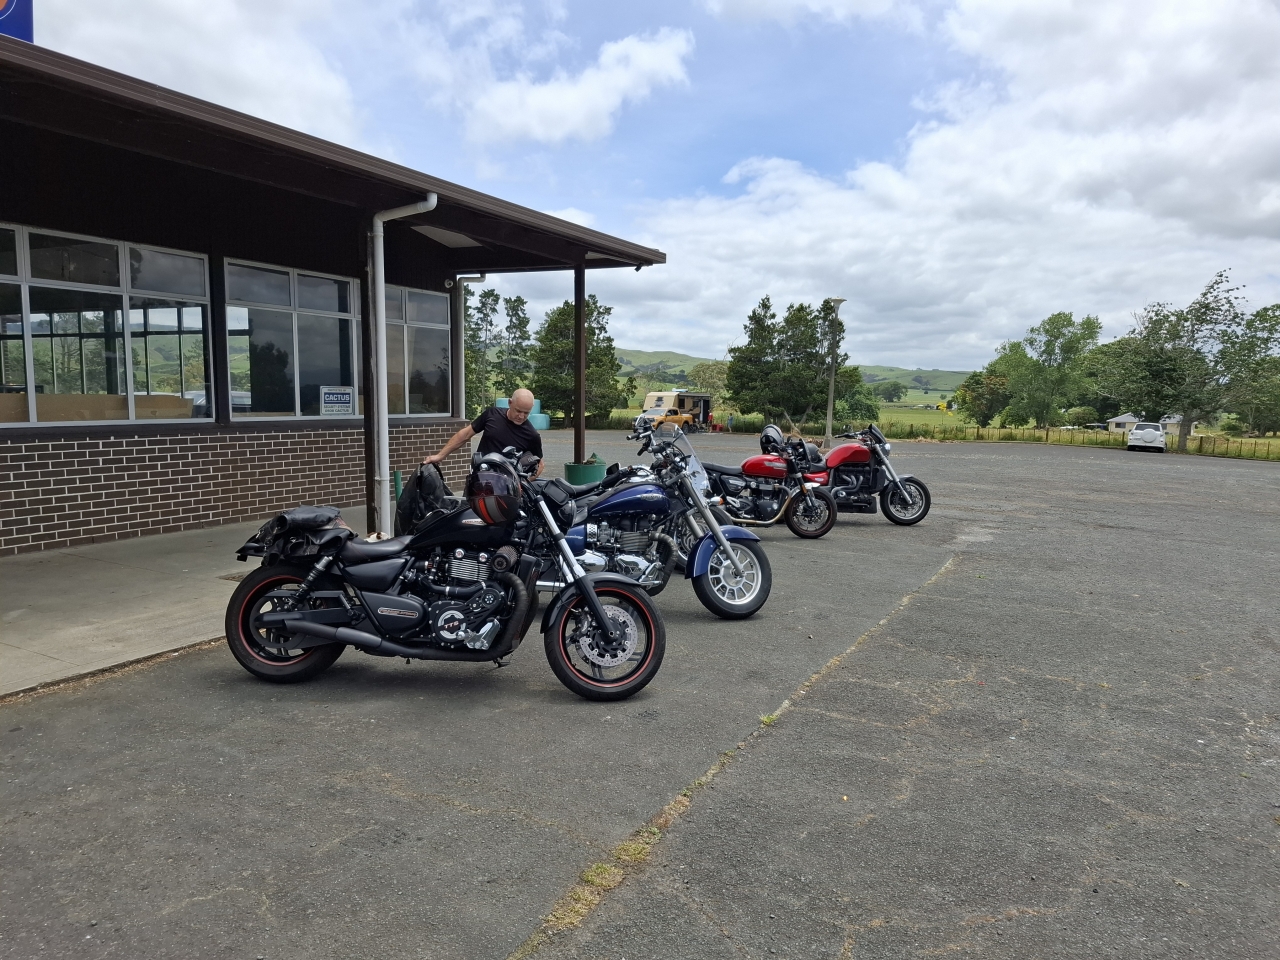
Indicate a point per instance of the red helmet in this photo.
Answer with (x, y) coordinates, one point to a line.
(493, 491)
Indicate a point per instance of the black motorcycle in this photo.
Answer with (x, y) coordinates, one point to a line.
(463, 587)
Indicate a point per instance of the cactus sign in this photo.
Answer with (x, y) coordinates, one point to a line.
(16, 19)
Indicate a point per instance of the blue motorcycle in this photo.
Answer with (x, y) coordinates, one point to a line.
(641, 522)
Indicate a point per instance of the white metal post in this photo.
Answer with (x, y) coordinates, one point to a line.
(382, 436)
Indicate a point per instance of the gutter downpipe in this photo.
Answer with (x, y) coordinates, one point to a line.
(382, 436)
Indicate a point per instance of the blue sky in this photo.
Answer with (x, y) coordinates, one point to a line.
(956, 169)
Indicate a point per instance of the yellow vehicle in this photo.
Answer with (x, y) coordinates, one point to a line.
(683, 407)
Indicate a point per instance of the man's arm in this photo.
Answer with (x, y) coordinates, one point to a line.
(457, 440)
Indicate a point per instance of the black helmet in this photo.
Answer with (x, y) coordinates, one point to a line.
(812, 452)
(770, 439)
(493, 491)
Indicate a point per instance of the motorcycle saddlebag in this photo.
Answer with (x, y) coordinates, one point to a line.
(424, 493)
(296, 533)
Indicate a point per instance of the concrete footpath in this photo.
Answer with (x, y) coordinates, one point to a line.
(64, 613)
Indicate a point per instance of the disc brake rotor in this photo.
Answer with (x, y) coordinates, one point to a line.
(603, 652)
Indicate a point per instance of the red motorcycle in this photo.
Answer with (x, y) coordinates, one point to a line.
(855, 473)
(772, 487)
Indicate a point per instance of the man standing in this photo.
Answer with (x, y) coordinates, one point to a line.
(498, 430)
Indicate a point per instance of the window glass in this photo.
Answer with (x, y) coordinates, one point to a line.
(395, 368)
(321, 293)
(260, 354)
(395, 303)
(257, 285)
(78, 352)
(428, 352)
(166, 272)
(74, 261)
(324, 360)
(428, 308)
(170, 359)
(13, 358)
(9, 252)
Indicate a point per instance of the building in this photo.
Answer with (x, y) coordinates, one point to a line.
(185, 309)
(1123, 423)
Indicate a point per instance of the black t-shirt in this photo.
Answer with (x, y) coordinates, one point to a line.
(498, 433)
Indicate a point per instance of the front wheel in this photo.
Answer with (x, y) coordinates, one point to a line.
(252, 599)
(728, 594)
(899, 509)
(594, 667)
(811, 520)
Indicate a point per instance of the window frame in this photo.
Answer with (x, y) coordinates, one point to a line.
(352, 314)
(405, 323)
(124, 290)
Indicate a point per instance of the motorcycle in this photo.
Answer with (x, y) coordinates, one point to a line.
(624, 524)
(855, 473)
(463, 587)
(772, 486)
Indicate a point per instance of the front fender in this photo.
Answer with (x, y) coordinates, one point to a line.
(565, 596)
(705, 547)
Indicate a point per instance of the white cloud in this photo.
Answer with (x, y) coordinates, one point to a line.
(574, 215)
(1125, 152)
(250, 55)
(581, 106)
(789, 11)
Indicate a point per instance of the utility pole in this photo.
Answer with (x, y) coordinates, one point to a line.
(831, 387)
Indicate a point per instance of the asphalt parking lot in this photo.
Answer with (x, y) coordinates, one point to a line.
(1052, 732)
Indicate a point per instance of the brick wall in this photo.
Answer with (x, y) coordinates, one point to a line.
(105, 485)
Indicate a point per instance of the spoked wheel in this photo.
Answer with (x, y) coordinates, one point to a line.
(252, 599)
(731, 595)
(897, 508)
(811, 520)
(590, 664)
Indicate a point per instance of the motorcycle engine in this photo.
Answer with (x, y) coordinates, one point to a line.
(757, 499)
(625, 548)
(473, 621)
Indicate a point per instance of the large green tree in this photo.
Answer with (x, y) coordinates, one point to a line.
(1046, 369)
(782, 370)
(513, 362)
(553, 355)
(479, 335)
(1194, 361)
(983, 394)
(712, 376)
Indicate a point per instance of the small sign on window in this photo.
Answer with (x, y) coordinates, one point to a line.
(337, 401)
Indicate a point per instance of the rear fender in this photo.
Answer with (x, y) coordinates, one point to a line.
(705, 547)
(565, 596)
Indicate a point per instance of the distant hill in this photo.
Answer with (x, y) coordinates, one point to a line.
(944, 380)
(657, 361)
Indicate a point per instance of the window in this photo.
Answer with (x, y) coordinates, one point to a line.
(291, 362)
(418, 352)
(100, 330)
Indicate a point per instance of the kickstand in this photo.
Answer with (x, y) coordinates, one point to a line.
(498, 663)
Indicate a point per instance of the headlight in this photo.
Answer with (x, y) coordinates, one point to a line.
(888, 447)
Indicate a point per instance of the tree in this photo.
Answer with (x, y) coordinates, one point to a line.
(553, 362)
(855, 399)
(712, 376)
(1079, 416)
(983, 394)
(1193, 361)
(890, 391)
(478, 329)
(782, 369)
(1046, 369)
(513, 361)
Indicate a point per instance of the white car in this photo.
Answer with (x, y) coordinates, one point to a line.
(1146, 436)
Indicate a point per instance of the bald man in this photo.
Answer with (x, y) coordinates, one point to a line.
(498, 430)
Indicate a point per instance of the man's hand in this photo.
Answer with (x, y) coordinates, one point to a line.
(430, 459)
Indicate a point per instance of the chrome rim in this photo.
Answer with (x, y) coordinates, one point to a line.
(896, 505)
(725, 581)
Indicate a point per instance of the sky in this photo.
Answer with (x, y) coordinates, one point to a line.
(957, 170)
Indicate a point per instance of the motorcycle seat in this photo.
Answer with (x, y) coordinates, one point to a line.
(719, 468)
(362, 551)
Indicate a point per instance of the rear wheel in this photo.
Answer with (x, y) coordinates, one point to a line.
(594, 667)
(900, 509)
(811, 520)
(246, 641)
(728, 594)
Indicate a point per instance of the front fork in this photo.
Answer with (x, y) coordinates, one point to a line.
(573, 571)
(894, 479)
(691, 490)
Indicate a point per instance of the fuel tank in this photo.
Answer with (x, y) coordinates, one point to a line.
(848, 453)
(460, 526)
(766, 465)
(631, 500)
